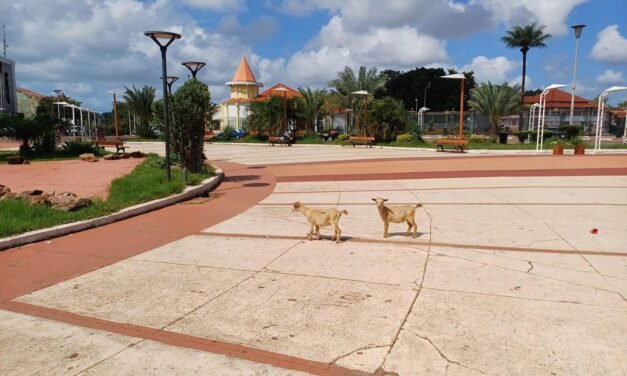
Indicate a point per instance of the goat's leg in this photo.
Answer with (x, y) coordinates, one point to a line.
(385, 229)
(311, 229)
(414, 226)
(409, 226)
(317, 232)
(338, 233)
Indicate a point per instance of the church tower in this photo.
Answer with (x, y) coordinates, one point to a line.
(244, 89)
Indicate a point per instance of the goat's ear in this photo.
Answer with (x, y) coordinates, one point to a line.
(374, 199)
(385, 199)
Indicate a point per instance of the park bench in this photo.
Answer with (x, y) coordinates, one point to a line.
(209, 136)
(117, 144)
(457, 143)
(364, 140)
(274, 140)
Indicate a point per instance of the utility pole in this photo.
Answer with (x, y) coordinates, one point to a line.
(4, 40)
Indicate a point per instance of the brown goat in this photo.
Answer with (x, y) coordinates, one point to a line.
(397, 214)
(321, 218)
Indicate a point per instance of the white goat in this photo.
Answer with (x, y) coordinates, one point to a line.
(321, 218)
(397, 214)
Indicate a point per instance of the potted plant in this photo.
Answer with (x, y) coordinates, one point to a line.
(558, 147)
(580, 146)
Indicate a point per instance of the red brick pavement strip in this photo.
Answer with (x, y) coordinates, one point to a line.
(183, 340)
(39, 265)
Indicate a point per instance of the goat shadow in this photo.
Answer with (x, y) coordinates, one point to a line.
(403, 234)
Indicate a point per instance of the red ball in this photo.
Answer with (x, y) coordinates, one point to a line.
(594, 231)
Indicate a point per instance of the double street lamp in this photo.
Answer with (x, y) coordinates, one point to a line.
(164, 39)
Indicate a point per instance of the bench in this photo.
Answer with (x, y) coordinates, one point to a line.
(209, 136)
(118, 144)
(457, 143)
(273, 140)
(365, 140)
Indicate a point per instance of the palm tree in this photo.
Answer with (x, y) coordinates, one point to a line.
(347, 82)
(495, 102)
(525, 38)
(388, 118)
(310, 105)
(140, 102)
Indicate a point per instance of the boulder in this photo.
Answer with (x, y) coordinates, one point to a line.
(8, 195)
(73, 205)
(137, 154)
(111, 157)
(17, 159)
(88, 157)
(4, 190)
(125, 156)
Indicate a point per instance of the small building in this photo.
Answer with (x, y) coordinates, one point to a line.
(27, 102)
(244, 90)
(558, 110)
(8, 96)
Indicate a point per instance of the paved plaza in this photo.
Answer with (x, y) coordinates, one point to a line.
(519, 268)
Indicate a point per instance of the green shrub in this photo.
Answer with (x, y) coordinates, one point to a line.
(571, 131)
(226, 132)
(75, 147)
(478, 140)
(343, 137)
(405, 137)
(522, 135)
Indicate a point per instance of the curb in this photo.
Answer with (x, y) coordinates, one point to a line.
(132, 211)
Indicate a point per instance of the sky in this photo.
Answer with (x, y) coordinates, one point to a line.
(90, 47)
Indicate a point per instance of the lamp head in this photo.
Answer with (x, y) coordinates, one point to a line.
(455, 76)
(170, 79)
(578, 29)
(193, 66)
(162, 38)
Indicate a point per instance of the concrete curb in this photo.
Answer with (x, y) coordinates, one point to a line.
(132, 211)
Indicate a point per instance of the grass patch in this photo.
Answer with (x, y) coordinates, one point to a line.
(58, 155)
(145, 183)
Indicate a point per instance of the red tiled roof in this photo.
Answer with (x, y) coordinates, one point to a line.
(244, 73)
(291, 93)
(560, 99)
(30, 93)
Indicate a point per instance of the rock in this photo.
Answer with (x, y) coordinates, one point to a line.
(88, 157)
(137, 154)
(125, 156)
(73, 205)
(17, 159)
(37, 200)
(4, 190)
(25, 194)
(111, 157)
(70, 194)
(8, 196)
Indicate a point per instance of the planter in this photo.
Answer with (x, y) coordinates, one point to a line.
(580, 149)
(558, 150)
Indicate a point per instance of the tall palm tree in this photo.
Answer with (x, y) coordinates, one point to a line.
(525, 38)
(495, 102)
(311, 105)
(140, 102)
(348, 82)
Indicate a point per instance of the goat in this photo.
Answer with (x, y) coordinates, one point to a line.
(397, 214)
(321, 218)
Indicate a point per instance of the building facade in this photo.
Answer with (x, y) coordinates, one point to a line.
(27, 102)
(8, 96)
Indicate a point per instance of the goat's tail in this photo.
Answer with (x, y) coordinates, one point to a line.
(418, 205)
(344, 211)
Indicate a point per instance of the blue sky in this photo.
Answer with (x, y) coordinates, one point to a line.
(90, 47)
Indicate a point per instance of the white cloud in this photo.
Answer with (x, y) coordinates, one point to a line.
(518, 81)
(494, 70)
(611, 77)
(216, 4)
(611, 47)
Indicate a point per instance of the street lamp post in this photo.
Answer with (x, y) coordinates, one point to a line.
(424, 101)
(194, 66)
(421, 114)
(459, 76)
(416, 108)
(284, 90)
(167, 38)
(58, 92)
(600, 113)
(366, 95)
(541, 113)
(115, 113)
(578, 29)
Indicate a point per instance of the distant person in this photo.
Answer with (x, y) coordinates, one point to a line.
(288, 136)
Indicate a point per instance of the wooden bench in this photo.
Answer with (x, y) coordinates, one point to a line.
(118, 144)
(209, 136)
(457, 143)
(274, 140)
(365, 140)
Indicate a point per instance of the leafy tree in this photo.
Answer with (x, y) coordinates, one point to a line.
(525, 38)
(190, 107)
(495, 102)
(348, 82)
(310, 106)
(268, 116)
(29, 131)
(387, 118)
(140, 102)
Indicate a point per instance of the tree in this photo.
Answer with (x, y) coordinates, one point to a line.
(310, 105)
(268, 116)
(191, 105)
(387, 118)
(495, 102)
(347, 82)
(140, 102)
(525, 38)
(39, 131)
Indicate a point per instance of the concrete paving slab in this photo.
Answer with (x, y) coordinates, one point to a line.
(138, 292)
(306, 198)
(34, 346)
(614, 267)
(511, 336)
(367, 360)
(219, 252)
(313, 318)
(378, 263)
(153, 358)
(509, 182)
(450, 273)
